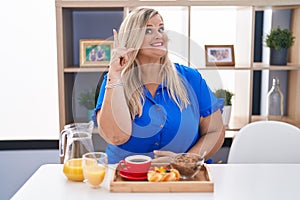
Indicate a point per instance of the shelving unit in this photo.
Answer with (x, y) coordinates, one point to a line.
(262, 66)
(73, 24)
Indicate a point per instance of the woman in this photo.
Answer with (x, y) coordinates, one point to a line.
(148, 105)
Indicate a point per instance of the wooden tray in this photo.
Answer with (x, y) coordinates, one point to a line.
(201, 183)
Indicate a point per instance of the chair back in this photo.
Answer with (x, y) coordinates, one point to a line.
(266, 142)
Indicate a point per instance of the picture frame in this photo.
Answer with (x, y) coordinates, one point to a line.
(95, 52)
(219, 55)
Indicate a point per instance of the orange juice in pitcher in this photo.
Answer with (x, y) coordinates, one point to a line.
(73, 169)
(75, 141)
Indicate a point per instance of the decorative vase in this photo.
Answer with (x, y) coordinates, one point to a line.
(226, 115)
(278, 57)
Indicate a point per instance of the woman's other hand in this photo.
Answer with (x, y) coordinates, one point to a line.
(163, 156)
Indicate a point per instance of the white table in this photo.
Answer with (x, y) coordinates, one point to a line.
(231, 182)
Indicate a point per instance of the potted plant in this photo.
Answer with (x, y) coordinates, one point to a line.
(279, 40)
(226, 97)
(87, 100)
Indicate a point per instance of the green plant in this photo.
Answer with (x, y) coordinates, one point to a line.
(87, 99)
(226, 95)
(279, 39)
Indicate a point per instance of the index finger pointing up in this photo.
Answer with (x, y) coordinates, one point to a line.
(116, 41)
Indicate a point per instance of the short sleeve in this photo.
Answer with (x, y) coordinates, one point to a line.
(208, 103)
(100, 98)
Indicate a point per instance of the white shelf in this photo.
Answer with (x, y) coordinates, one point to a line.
(85, 69)
(263, 66)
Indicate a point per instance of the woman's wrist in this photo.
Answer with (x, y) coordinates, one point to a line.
(113, 80)
(113, 77)
(114, 84)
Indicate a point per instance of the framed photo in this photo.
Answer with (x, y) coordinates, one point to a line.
(94, 52)
(219, 55)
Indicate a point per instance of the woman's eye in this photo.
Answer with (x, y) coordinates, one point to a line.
(148, 31)
(161, 30)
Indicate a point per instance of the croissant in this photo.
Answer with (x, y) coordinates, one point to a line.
(163, 174)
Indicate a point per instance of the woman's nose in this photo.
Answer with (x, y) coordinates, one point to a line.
(158, 34)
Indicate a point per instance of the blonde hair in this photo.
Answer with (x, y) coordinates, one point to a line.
(131, 35)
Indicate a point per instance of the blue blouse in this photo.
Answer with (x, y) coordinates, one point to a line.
(162, 125)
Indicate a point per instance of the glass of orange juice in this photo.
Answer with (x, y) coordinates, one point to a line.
(94, 165)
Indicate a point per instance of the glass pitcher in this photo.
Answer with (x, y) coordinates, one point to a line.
(75, 140)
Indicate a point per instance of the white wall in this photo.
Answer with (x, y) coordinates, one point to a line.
(17, 166)
(28, 85)
(28, 78)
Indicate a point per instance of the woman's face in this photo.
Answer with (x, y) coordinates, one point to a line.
(155, 41)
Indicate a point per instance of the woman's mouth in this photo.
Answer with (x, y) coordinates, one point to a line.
(157, 44)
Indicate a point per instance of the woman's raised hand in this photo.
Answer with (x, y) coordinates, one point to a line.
(119, 57)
